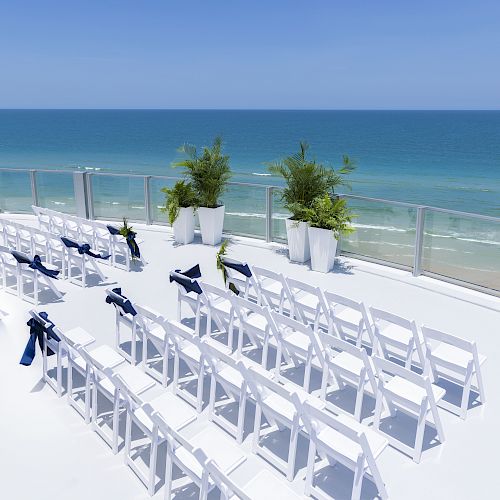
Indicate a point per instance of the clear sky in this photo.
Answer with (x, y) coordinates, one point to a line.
(328, 54)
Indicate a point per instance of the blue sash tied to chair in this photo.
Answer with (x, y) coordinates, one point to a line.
(121, 302)
(132, 244)
(35, 264)
(83, 249)
(241, 267)
(187, 279)
(36, 333)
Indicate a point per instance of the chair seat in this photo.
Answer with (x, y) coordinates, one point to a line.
(217, 446)
(79, 336)
(454, 355)
(349, 363)
(224, 306)
(348, 315)
(412, 392)
(346, 447)
(106, 356)
(191, 352)
(231, 376)
(266, 485)
(157, 332)
(297, 340)
(280, 405)
(135, 379)
(396, 333)
(273, 287)
(257, 320)
(307, 300)
(174, 411)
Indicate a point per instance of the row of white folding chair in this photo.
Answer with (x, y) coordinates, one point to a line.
(94, 233)
(208, 356)
(388, 335)
(17, 277)
(33, 241)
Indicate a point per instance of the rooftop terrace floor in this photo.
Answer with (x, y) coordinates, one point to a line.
(47, 452)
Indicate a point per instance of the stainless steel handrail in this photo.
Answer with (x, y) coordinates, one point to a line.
(422, 211)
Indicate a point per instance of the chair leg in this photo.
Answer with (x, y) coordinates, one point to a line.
(311, 462)
(419, 437)
(152, 461)
(292, 451)
(241, 416)
(116, 421)
(358, 479)
(465, 394)
(359, 401)
(256, 428)
(199, 391)
(168, 472)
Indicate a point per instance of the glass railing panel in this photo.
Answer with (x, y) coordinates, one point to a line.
(462, 247)
(15, 191)
(245, 210)
(279, 215)
(383, 231)
(56, 191)
(158, 198)
(118, 196)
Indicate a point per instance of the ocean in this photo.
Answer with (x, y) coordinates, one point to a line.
(448, 159)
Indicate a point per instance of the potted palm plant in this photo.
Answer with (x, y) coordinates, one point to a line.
(208, 174)
(180, 206)
(305, 180)
(328, 218)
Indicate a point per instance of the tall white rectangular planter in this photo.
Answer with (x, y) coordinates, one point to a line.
(184, 226)
(323, 245)
(298, 240)
(211, 224)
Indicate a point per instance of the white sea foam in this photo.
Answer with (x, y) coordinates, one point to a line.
(59, 203)
(383, 228)
(261, 174)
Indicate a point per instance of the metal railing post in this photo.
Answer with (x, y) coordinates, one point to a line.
(147, 199)
(34, 191)
(419, 241)
(79, 186)
(269, 214)
(89, 196)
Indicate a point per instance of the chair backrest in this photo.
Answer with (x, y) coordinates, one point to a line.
(179, 333)
(285, 323)
(185, 285)
(214, 293)
(334, 300)
(239, 274)
(121, 302)
(297, 287)
(216, 354)
(262, 276)
(244, 308)
(226, 485)
(379, 317)
(332, 345)
(383, 367)
(36, 316)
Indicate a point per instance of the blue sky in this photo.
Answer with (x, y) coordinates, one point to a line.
(250, 54)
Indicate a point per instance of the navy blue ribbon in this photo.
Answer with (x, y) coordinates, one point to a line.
(132, 244)
(241, 267)
(36, 333)
(121, 302)
(83, 249)
(35, 264)
(187, 279)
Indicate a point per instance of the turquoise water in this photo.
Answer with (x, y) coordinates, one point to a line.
(448, 159)
(442, 158)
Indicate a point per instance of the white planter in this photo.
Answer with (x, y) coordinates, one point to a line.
(184, 226)
(323, 247)
(211, 224)
(298, 240)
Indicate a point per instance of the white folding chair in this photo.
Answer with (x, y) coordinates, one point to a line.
(180, 452)
(72, 228)
(455, 360)
(340, 439)
(49, 342)
(261, 485)
(10, 271)
(346, 364)
(224, 372)
(298, 344)
(85, 265)
(272, 290)
(274, 401)
(104, 384)
(11, 237)
(25, 239)
(403, 390)
(187, 349)
(190, 293)
(254, 322)
(56, 222)
(153, 327)
(219, 310)
(26, 275)
(397, 338)
(104, 355)
(126, 316)
(177, 413)
(239, 275)
(102, 240)
(349, 319)
(43, 218)
(308, 303)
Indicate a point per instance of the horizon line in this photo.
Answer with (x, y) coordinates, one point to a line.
(251, 109)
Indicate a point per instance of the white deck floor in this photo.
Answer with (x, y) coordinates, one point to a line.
(47, 452)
